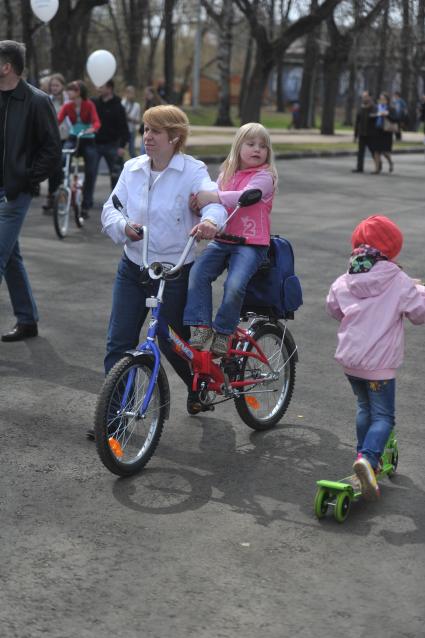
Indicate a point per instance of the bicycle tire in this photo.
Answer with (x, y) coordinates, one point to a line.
(125, 443)
(260, 411)
(61, 212)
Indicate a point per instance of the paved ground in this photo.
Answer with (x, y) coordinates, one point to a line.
(217, 537)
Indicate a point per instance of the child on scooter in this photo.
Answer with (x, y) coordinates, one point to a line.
(249, 165)
(371, 301)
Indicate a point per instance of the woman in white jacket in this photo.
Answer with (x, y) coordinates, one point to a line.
(155, 189)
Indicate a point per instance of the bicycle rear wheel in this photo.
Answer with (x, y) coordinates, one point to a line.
(263, 404)
(125, 440)
(76, 205)
(61, 212)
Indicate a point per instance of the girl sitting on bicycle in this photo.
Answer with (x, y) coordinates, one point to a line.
(249, 165)
(371, 301)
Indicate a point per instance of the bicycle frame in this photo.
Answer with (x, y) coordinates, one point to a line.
(202, 362)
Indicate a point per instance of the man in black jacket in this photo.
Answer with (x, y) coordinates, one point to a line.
(30, 151)
(113, 134)
(365, 129)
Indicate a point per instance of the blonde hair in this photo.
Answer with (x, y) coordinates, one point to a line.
(170, 118)
(232, 162)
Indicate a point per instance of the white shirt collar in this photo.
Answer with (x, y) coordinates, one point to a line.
(143, 163)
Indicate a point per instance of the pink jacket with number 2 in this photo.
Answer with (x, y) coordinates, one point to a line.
(252, 222)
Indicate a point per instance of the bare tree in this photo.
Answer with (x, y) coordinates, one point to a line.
(9, 20)
(169, 49)
(69, 31)
(309, 79)
(268, 49)
(132, 14)
(224, 21)
(336, 56)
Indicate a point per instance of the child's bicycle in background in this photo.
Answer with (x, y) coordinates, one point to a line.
(339, 494)
(258, 374)
(69, 194)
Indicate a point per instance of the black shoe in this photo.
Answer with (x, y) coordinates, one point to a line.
(21, 331)
(356, 170)
(194, 405)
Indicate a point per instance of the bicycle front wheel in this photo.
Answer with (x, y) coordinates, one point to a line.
(125, 439)
(262, 405)
(61, 212)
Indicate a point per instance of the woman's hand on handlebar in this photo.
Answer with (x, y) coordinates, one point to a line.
(204, 230)
(130, 231)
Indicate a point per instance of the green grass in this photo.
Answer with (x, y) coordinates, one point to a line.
(206, 116)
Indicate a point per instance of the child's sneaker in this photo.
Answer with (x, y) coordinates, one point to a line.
(199, 335)
(220, 344)
(367, 477)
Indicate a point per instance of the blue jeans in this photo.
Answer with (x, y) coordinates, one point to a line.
(12, 215)
(375, 415)
(243, 262)
(129, 313)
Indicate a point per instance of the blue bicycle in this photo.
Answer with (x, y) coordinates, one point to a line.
(257, 373)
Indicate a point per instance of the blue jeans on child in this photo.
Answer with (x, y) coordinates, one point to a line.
(243, 262)
(129, 313)
(12, 216)
(375, 415)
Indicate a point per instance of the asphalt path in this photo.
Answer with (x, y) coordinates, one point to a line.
(216, 538)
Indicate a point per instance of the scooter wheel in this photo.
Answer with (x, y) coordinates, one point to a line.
(321, 502)
(342, 507)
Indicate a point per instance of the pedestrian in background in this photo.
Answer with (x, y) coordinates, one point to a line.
(364, 130)
(30, 149)
(83, 117)
(113, 134)
(401, 113)
(58, 95)
(133, 113)
(385, 127)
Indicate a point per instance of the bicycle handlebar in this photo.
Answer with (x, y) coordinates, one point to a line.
(71, 151)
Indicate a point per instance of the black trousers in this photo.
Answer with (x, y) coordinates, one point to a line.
(364, 143)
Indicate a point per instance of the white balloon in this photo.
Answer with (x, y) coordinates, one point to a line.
(101, 66)
(45, 9)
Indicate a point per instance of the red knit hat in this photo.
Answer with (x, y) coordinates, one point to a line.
(381, 233)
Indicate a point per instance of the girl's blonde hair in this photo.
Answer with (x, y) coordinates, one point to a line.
(232, 162)
(170, 118)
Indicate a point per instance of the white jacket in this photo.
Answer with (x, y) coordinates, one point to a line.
(164, 208)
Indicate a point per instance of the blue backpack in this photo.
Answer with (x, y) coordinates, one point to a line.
(275, 289)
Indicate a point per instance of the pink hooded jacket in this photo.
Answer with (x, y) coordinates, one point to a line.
(371, 307)
(252, 222)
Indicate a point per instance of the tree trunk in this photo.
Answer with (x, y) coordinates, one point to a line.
(9, 19)
(246, 74)
(280, 95)
(405, 52)
(331, 73)
(251, 108)
(382, 57)
(224, 62)
(307, 91)
(169, 50)
(134, 13)
(351, 92)
(69, 29)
